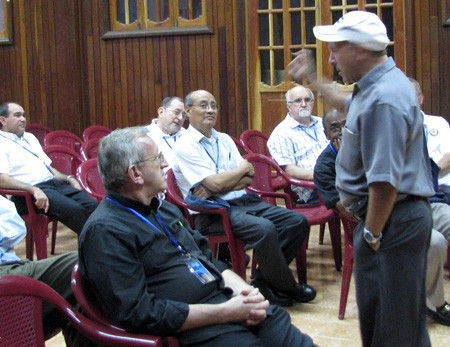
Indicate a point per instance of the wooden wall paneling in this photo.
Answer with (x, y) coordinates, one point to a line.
(222, 96)
(146, 114)
(52, 122)
(150, 78)
(130, 66)
(410, 39)
(216, 52)
(123, 83)
(231, 124)
(208, 74)
(193, 64)
(157, 69)
(185, 66)
(426, 49)
(444, 63)
(435, 22)
(172, 56)
(138, 82)
(23, 61)
(117, 94)
(199, 60)
(178, 52)
(163, 69)
(42, 42)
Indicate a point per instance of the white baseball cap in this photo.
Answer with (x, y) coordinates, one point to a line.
(362, 28)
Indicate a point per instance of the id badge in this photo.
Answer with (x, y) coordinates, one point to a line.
(199, 271)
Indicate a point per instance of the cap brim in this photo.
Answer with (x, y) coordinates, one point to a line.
(328, 33)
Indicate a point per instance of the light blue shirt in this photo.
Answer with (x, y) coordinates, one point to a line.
(12, 230)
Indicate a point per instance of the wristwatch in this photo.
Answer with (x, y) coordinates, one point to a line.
(370, 238)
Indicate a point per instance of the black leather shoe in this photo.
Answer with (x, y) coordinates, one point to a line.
(303, 293)
(273, 297)
(441, 315)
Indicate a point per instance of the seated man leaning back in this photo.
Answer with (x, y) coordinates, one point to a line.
(209, 162)
(155, 275)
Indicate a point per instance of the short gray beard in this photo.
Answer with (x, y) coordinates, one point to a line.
(304, 113)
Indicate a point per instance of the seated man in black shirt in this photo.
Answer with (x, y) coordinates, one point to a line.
(153, 274)
(325, 180)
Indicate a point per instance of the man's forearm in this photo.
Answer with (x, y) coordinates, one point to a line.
(8, 182)
(299, 172)
(444, 164)
(225, 181)
(382, 197)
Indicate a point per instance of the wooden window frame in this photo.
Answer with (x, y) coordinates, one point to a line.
(6, 35)
(201, 25)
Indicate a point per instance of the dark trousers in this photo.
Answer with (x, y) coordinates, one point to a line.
(70, 206)
(275, 331)
(390, 283)
(274, 232)
(446, 190)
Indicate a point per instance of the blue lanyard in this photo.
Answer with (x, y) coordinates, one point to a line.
(166, 231)
(332, 148)
(315, 138)
(174, 140)
(28, 150)
(216, 162)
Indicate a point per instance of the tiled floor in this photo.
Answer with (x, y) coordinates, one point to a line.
(318, 319)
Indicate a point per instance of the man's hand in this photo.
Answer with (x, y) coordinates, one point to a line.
(247, 309)
(374, 246)
(74, 183)
(249, 167)
(202, 192)
(303, 66)
(254, 296)
(336, 144)
(41, 199)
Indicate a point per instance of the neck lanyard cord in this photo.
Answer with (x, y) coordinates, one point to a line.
(140, 216)
(216, 162)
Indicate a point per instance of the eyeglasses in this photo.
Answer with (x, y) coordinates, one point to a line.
(204, 106)
(298, 102)
(160, 157)
(177, 112)
(336, 128)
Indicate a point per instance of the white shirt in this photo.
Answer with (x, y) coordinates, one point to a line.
(12, 230)
(438, 140)
(164, 141)
(295, 143)
(23, 158)
(197, 157)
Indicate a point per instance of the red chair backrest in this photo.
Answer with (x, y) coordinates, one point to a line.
(174, 196)
(95, 132)
(90, 180)
(63, 138)
(38, 130)
(255, 142)
(89, 149)
(63, 159)
(239, 145)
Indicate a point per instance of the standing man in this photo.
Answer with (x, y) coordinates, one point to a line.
(298, 140)
(437, 133)
(153, 274)
(168, 127)
(25, 166)
(208, 164)
(383, 177)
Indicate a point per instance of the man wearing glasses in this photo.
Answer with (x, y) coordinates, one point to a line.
(208, 164)
(168, 127)
(298, 140)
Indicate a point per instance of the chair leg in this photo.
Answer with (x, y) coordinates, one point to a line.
(254, 263)
(237, 252)
(54, 230)
(300, 262)
(322, 232)
(346, 277)
(334, 226)
(29, 241)
(40, 232)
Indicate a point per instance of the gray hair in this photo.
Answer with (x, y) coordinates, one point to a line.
(168, 101)
(117, 151)
(188, 99)
(417, 84)
(288, 95)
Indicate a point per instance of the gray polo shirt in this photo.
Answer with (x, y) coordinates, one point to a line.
(383, 140)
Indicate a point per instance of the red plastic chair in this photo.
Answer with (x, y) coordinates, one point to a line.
(315, 214)
(95, 132)
(36, 223)
(239, 145)
(90, 306)
(237, 250)
(89, 149)
(63, 138)
(90, 180)
(21, 316)
(255, 141)
(349, 226)
(63, 159)
(38, 130)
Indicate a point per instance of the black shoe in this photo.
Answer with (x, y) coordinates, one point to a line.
(303, 293)
(441, 315)
(273, 297)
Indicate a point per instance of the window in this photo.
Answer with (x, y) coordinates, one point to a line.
(5, 22)
(158, 17)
